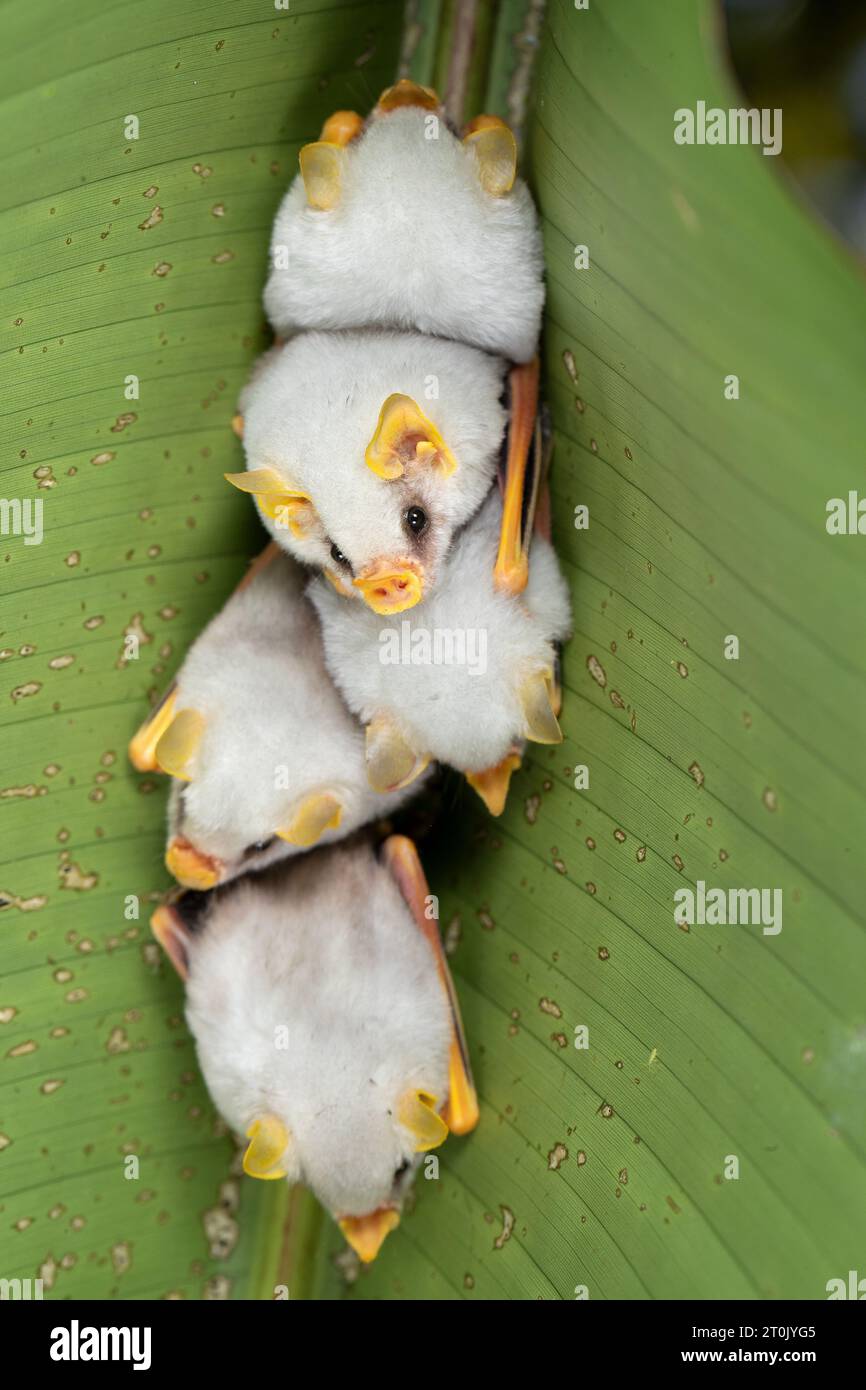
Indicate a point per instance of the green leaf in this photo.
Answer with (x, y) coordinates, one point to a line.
(142, 535)
(706, 519)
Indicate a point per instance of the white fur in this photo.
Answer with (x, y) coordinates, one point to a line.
(327, 948)
(257, 674)
(414, 242)
(469, 721)
(310, 410)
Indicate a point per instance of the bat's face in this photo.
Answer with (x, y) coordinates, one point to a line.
(366, 452)
(323, 1029)
(399, 222)
(475, 710)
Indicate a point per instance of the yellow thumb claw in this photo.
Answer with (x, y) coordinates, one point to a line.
(461, 1109)
(417, 1111)
(365, 1234)
(322, 171)
(315, 815)
(492, 784)
(178, 745)
(269, 1139)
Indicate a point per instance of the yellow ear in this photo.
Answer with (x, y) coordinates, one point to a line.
(322, 171)
(315, 815)
(391, 762)
(269, 1139)
(404, 436)
(496, 151)
(142, 747)
(277, 499)
(536, 696)
(417, 1112)
(178, 745)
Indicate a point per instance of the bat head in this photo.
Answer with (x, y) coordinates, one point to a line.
(366, 452)
(400, 222)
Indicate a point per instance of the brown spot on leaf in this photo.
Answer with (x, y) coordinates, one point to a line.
(152, 220)
(73, 877)
(507, 1228)
(596, 670)
(23, 692)
(549, 1006)
(558, 1154)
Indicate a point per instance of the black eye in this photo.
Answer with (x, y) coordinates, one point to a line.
(404, 1168)
(337, 556)
(259, 847)
(416, 520)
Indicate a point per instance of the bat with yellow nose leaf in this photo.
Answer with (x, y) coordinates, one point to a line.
(400, 222)
(367, 451)
(472, 675)
(326, 1025)
(265, 757)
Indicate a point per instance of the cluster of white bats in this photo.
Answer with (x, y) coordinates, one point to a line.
(396, 453)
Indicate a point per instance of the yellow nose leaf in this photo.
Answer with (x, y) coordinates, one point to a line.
(390, 591)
